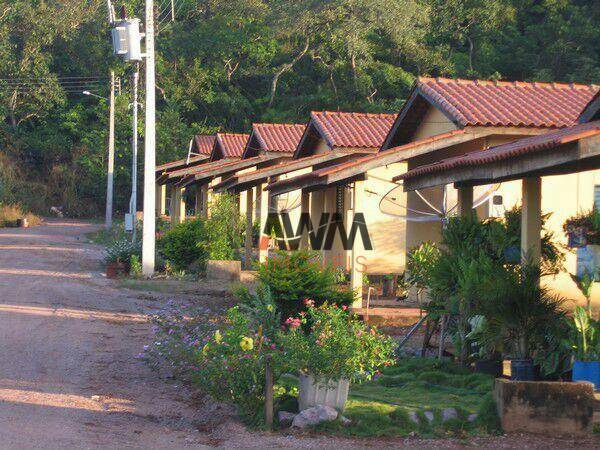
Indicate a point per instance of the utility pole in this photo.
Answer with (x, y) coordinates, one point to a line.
(134, 150)
(149, 226)
(111, 153)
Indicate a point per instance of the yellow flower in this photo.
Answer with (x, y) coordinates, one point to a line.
(247, 343)
(218, 337)
(205, 349)
(270, 308)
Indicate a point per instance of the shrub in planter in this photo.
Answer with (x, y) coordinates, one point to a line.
(295, 276)
(120, 251)
(184, 244)
(224, 229)
(521, 312)
(586, 343)
(488, 358)
(337, 349)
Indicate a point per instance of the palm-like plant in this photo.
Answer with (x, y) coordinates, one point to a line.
(519, 309)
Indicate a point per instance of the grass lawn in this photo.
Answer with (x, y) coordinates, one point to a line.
(380, 407)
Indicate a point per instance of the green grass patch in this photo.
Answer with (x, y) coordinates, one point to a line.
(381, 407)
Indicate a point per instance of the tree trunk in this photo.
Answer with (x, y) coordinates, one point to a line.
(285, 68)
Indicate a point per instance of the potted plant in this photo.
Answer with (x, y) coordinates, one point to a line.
(586, 345)
(330, 348)
(520, 311)
(489, 347)
(118, 256)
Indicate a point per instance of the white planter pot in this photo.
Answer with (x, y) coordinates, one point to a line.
(333, 393)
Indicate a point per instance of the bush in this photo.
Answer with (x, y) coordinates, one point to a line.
(122, 250)
(184, 244)
(337, 346)
(295, 276)
(225, 359)
(10, 213)
(224, 229)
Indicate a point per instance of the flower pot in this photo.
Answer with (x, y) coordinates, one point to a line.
(522, 370)
(587, 371)
(115, 269)
(489, 366)
(332, 393)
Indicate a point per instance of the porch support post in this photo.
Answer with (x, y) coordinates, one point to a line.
(161, 199)
(248, 243)
(173, 204)
(531, 220)
(356, 267)
(465, 201)
(265, 199)
(304, 209)
(204, 196)
(178, 206)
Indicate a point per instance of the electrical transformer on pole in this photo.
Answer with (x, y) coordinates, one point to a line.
(126, 38)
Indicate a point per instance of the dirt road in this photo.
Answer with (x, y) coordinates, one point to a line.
(69, 377)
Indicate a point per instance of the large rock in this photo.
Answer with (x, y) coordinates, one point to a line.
(314, 416)
(285, 418)
(223, 270)
(448, 414)
(543, 406)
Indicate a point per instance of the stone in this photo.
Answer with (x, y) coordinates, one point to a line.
(314, 416)
(429, 416)
(285, 418)
(566, 408)
(345, 421)
(448, 414)
(223, 270)
(413, 417)
(472, 417)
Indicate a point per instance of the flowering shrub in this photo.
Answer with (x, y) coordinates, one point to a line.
(336, 346)
(224, 358)
(122, 249)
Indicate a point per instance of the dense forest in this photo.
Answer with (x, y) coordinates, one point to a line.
(222, 64)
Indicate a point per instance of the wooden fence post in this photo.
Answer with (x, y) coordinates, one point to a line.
(268, 394)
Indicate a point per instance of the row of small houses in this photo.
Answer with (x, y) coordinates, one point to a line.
(455, 145)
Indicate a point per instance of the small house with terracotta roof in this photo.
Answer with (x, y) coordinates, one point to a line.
(447, 118)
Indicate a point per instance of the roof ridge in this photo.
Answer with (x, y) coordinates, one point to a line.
(515, 83)
(354, 113)
(280, 124)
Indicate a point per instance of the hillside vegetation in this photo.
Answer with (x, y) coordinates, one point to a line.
(226, 63)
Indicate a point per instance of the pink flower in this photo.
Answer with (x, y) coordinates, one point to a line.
(273, 347)
(344, 307)
(293, 322)
(309, 302)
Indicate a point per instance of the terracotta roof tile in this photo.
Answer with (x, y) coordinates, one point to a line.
(278, 137)
(510, 150)
(232, 144)
(498, 103)
(204, 143)
(350, 129)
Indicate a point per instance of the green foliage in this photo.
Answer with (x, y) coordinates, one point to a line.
(336, 346)
(519, 309)
(223, 358)
(185, 244)
(122, 250)
(223, 64)
(585, 335)
(293, 277)
(224, 229)
(135, 266)
(260, 308)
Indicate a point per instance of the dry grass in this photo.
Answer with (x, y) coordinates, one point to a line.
(10, 213)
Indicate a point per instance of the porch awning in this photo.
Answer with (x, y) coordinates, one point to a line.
(244, 181)
(357, 169)
(569, 150)
(173, 176)
(207, 173)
